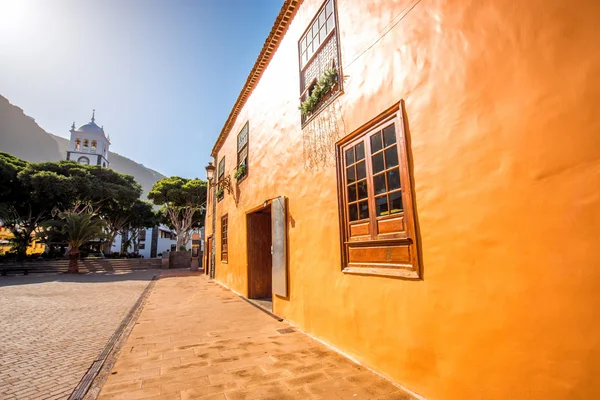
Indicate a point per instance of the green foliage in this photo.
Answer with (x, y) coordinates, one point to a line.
(178, 192)
(142, 215)
(10, 167)
(78, 228)
(324, 85)
(240, 172)
(31, 192)
(182, 248)
(220, 193)
(183, 203)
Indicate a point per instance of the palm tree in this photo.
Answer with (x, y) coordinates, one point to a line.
(78, 228)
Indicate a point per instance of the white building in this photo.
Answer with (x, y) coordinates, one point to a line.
(89, 144)
(152, 242)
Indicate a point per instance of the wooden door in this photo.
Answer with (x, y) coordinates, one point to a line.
(208, 251)
(279, 246)
(259, 255)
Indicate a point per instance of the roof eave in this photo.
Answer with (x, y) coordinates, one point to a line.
(271, 45)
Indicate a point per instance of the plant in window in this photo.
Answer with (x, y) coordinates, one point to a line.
(322, 87)
(220, 193)
(240, 172)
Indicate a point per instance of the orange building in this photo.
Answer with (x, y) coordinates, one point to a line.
(433, 210)
(5, 245)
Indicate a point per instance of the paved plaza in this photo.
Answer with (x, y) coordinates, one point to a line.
(53, 326)
(197, 340)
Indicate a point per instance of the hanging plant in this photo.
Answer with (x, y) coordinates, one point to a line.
(220, 193)
(323, 86)
(240, 172)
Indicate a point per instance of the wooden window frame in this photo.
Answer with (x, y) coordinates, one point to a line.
(221, 170)
(220, 176)
(245, 146)
(379, 251)
(224, 238)
(303, 66)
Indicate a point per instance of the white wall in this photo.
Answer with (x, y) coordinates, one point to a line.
(163, 244)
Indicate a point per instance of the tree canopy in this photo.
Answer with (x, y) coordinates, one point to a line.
(77, 228)
(31, 193)
(183, 202)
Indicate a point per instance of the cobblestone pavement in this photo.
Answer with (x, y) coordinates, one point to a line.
(197, 340)
(53, 326)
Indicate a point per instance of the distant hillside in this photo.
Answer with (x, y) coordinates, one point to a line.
(22, 137)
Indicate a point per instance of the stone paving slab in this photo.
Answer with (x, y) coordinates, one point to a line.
(53, 326)
(197, 340)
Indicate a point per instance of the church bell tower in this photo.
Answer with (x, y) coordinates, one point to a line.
(89, 144)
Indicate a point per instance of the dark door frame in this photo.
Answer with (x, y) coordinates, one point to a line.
(258, 252)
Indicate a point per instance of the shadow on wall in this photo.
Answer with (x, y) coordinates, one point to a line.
(411, 175)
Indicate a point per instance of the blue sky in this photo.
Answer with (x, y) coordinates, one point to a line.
(161, 74)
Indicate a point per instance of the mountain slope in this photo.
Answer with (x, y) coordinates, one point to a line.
(22, 137)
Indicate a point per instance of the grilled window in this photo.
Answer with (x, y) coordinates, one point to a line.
(318, 50)
(221, 173)
(242, 152)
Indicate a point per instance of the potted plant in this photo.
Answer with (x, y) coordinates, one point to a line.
(321, 88)
(240, 172)
(220, 193)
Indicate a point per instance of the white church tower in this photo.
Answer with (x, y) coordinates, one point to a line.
(89, 144)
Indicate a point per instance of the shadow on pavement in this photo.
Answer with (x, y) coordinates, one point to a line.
(97, 277)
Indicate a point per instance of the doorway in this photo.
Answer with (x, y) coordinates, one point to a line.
(260, 263)
(208, 251)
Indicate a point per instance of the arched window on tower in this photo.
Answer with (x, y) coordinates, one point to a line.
(86, 145)
(77, 144)
(83, 160)
(94, 146)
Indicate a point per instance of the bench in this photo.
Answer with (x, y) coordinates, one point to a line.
(8, 268)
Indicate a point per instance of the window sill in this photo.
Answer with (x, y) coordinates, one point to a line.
(242, 179)
(380, 271)
(322, 107)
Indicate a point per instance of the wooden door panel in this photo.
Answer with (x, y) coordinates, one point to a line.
(259, 255)
(391, 225)
(358, 230)
(397, 255)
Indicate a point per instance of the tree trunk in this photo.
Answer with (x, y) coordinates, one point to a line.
(73, 261)
(107, 247)
(179, 241)
(21, 252)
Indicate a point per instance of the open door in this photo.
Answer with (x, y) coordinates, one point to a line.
(208, 251)
(259, 256)
(279, 246)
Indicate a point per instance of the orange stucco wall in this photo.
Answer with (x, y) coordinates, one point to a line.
(502, 101)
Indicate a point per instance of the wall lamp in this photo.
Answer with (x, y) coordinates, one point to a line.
(223, 183)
